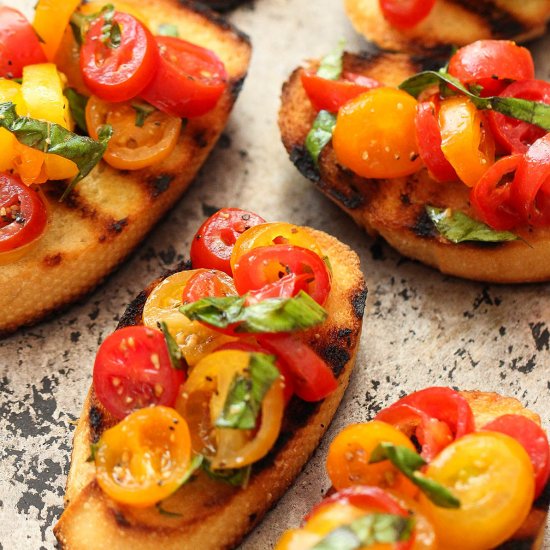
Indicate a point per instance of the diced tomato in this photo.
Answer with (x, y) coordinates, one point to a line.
(405, 14)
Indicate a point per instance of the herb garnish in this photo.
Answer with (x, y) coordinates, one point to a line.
(80, 23)
(168, 29)
(143, 110)
(331, 65)
(238, 477)
(320, 134)
(111, 34)
(176, 356)
(77, 105)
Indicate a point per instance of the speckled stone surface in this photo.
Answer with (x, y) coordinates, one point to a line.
(421, 328)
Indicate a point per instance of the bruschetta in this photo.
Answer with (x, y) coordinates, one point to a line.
(247, 465)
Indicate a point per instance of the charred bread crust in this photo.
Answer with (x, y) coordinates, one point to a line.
(224, 5)
(395, 208)
(452, 23)
(111, 211)
(220, 515)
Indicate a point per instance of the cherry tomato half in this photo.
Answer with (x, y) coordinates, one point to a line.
(19, 44)
(190, 80)
(213, 243)
(132, 370)
(405, 14)
(118, 72)
(206, 283)
(534, 440)
(23, 218)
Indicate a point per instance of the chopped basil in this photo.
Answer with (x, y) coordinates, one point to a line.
(408, 462)
(143, 110)
(168, 29)
(457, 227)
(320, 134)
(194, 465)
(77, 105)
(174, 351)
(54, 139)
(80, 23)
(533, 112)
(163, 512)
(246, 393)
(238, 477)
(271, 315)
(368, 530)
(93, 451)
(110, 31)
(331, 65)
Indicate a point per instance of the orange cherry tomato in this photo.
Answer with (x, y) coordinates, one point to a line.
(143, 459)
(465, 139)
(375, 134)
(133, 146)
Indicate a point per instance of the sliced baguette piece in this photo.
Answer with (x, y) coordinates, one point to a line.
(111, 211)
(216, 515)
(395, 208)
(452, 23)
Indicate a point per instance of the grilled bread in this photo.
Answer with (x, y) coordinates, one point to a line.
(110, 211)
(395, 208)
(452, 22)
(215, 515)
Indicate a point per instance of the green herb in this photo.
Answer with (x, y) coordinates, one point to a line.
(167, 513)
(77, 105)
(80, 23)
(320, 134)
(246, 393)
(457, 227)
(238, 477)
(168, 29)
(93, 451)
(408, 462)
(533, 112)
(143, 110)
(174, 351)
(110, 30)
(331, 65)
(54, 139)
(368, 530)
(271, 315)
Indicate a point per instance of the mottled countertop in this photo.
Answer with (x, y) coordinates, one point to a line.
(421, 328)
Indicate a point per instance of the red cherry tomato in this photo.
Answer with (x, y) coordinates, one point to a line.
(208, 283)
(267, 264)
(213, 243)
(491, 64)
(490, 197)
(330, 95)
(428, 140)
(190, 80)
(437, 416)
(19, 44)
(119, 73)
(311, 377)
(513, 135)
(133, 370)
(23, 214)
(287, 287)
(534, 440)
(405, 14)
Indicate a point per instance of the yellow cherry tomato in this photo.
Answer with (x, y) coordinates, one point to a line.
(10, 91)
(268, 234)
(90, 8)
(492, 476)
(375, 134)
(143, 459)
(350, 451)
(201, 403)
(134, 145)
(466, 141)
(193, 338)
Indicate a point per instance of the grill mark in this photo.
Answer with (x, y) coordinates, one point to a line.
(303, 161)
(424, 226)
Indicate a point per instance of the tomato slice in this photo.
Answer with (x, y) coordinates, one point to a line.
(132, 370)
(330, 95)
(405, 14)
(287, 287)
(208, 283)
(143, 459)
(436, 415)
(213, 243)
(23, 218)
(534, 440)
(490, 197)
(196, 75)
(513, 135)
(19, 44)
(119, 72)
(311, 377)
(492, 64)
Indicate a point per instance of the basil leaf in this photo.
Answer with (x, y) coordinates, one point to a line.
(143, 110)
(54, 139)
(93, 451)
(163, 512)
(457, 227)
(368, 530)
(408, 462)
(174, 351)
(320, 134)
(195, 464)
(238, 477)
(80, 23)
(271, 315)
(77, 105)
(533, 112)
(110, 30)
(246, 393)
(168, 29)
(331, 65)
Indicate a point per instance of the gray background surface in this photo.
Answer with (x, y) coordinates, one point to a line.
(421, 328)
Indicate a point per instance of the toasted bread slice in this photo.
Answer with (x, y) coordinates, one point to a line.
(110, 211)
(452, 23)
(395, 208)
(215, 515)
